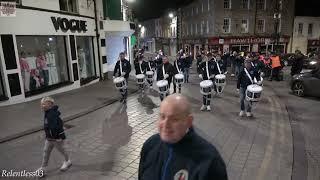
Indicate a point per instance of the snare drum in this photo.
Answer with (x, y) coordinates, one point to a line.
(149, 75)
(163, 86)
(179, 78)
(120, 83)
(206, 87)
(253, 93)
(140, 78)
(220, 82)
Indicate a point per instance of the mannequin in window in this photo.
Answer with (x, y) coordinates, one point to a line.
(82, 63)
(42, 66)
(25, 71)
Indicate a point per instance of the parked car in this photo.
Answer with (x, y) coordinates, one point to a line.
(306, 83)
(311, 63)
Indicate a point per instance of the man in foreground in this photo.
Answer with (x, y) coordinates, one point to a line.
(177, 152)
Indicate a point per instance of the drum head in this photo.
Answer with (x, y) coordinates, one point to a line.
(140, 76)
(178, 76)
(118, 80)
(255, 88)
(206, 83)
(220, 76)
(162, 83)
(149, 73)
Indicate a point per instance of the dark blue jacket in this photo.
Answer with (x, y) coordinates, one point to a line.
(144, 65)
(243, 79)
(126, 67)
(213, 69)
(187, 62)
(168, 68)
(180, 63)
(53, 125)
(192, 155)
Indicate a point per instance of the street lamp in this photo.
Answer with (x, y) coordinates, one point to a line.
(139, 26)
(171, 15)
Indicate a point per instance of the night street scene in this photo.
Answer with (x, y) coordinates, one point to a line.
(160, 89)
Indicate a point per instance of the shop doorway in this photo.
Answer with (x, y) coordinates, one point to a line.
(241, 48)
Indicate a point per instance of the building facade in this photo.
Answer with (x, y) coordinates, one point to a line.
(51, 47)
(306, 34)
(237, 25)
(159, 34)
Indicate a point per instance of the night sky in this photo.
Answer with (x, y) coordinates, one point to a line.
(147, 9)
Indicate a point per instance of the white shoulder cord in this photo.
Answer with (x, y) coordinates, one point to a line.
(140, 69)
(245, 69)
(207, 69)
(178, 67)
(149, 66)
(163, 71)
(218, 66)
(120, 66)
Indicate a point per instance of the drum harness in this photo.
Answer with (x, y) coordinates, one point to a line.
(219, 73)
(252, 81)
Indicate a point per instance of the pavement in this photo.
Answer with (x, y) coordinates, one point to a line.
(25, 118)
(105, 142)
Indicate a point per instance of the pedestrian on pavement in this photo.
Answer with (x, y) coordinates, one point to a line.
(239, 64)
(55, 136)
(177, 151)
(233, 63)
(123, 69)
(276, 67)
(165, 72)
(199, 58)
(246, 78)
(209, 70)
(297, 63)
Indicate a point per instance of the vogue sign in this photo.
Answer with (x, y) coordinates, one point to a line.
(73, 25)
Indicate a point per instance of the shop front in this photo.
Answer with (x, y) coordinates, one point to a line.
(248, 44)
(194, 45)
(56, 56)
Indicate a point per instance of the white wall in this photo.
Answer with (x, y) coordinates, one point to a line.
(86, 7)
(306, 21)
(44, 4)
(114, 45)
(31, 22)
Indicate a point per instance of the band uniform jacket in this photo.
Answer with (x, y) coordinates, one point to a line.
(168, 68)
(143, 66)
(126, 68)
(212, 68)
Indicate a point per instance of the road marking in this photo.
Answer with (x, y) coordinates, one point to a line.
(270, 147)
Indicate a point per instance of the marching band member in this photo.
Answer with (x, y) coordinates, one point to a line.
(178, 69)
(208, 70)
(151, 66)
(123, 69)
(165, 72)
(247, 76)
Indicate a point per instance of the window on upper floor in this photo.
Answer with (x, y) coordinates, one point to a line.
(202, 7)
(261, 4)
(68, 5)
(208, 27)
(208, 5)
(244, 4)
(300, 28)
(244, 26)
(261, 25)
(227, 4)
(226, 25)
(310, 29)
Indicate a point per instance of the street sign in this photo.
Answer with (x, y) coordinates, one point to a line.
(8, 9)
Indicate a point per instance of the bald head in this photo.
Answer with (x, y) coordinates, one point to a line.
(179, 103)
(175, 118)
